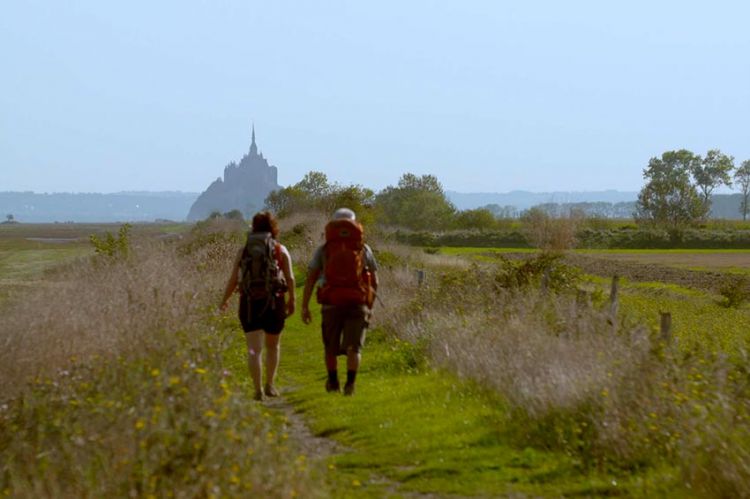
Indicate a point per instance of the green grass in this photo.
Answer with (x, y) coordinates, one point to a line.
(474, 251)
(674, 251)
(446, 250)
(412, 429)
(699, 320)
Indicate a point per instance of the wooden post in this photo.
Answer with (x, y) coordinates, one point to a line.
(420, 277)
(545, 281)
(613, 304)
(666, 326)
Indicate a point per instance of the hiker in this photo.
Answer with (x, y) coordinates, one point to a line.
(263, 272)
(345, 271)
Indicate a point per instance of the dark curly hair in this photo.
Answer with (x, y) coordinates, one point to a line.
(264, 221)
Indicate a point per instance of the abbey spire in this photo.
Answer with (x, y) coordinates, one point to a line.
(253, 146)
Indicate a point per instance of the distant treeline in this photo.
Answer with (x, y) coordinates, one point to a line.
(626, 237)
(723, 206)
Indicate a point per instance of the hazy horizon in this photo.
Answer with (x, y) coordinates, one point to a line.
(488, 97)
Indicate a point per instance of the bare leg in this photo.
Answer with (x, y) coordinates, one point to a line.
(273, 351)
(352, 359)
(254, 341)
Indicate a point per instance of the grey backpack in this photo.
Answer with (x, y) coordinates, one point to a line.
(260, 267)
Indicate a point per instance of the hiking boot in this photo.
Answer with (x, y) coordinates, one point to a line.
(271, 390)
(349, 389)
(332, 387)
(258, 395)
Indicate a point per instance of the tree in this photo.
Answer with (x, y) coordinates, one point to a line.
(10, 218)
(480, 218)
(668, 198)
(711, 172)
(234, 215)
(416, 203)
(315, 185)
(742, 178)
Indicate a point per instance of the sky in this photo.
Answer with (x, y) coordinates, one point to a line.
(489, 96)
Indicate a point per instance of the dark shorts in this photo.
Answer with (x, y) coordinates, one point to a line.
(262, 314)
(344, 328)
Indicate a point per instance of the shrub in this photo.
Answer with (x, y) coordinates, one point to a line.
(735, 290)
(111, 246)
(548, 233)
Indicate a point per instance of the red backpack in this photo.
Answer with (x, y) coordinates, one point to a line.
(347, 278)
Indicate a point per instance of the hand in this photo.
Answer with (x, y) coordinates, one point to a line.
(306, 315)
(289, 308)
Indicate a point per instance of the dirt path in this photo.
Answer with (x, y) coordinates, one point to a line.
(319, 448)
(313, 446)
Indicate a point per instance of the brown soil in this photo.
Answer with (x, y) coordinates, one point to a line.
(643, 272)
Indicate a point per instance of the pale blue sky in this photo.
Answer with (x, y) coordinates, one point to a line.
(489, 96)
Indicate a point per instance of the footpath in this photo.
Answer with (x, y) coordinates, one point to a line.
(411, 431)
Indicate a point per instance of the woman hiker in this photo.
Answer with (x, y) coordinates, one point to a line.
(263, 272)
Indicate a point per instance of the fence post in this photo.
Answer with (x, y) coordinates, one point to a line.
(545, 280)
(613, 303)
(420, 277)
(666, 326)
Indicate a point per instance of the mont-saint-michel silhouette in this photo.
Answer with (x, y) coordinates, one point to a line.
(244, 186)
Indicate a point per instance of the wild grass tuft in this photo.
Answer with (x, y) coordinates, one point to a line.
(112, 384)
(605, 390)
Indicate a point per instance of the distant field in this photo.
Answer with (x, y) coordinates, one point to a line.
(27, 251)
(735, 261)
(727, 261)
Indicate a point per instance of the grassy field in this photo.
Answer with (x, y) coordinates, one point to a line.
(168, 411)
(735, 261)
(28, 251)
(413, 429)
(118, 386)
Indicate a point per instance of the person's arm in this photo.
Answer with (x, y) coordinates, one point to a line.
(372, 266)
(312, 278)
(231, 283)
(286, 269)
(313, 273)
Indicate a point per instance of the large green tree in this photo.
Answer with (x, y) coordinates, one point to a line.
(742, 179)
(309, 193)
(416, 203)
(669, 198)
(315, 192)
(711, 172)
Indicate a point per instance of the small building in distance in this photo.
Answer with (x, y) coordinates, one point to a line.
(244, 187)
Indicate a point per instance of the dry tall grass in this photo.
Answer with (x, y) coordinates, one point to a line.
(105, 307)
(611, 396)
(147, 406)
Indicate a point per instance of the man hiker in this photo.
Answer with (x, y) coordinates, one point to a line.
(345, 272)
(263, 272)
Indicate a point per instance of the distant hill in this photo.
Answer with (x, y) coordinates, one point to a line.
(92, 207)
(726, 206)
(523, 200)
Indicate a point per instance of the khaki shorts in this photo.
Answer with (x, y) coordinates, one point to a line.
(344, 328)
